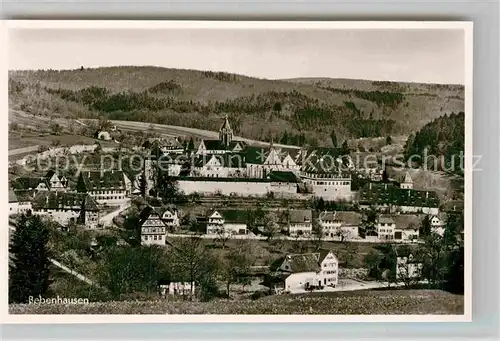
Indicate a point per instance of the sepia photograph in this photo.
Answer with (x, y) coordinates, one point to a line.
(272, 169)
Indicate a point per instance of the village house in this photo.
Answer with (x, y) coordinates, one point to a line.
(230, 222)
(386, 227)
(342, 224)
(438, 223)
(106, 187)
(302, 272)
(300, 223)
(153, 229)
(176, 288)
(407, 182)
(13, 203)
(65, 208)
(407, 226)
(389, 198)
(170, 218)
(103, 135)
(52, 181)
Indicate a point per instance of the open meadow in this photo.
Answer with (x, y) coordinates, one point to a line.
(383, 302)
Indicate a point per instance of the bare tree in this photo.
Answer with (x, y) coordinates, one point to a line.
(318, 234)
(192, 262)
(222, 237)
(271, 227)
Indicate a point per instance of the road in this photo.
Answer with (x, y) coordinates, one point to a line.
(108, 219)
(169, 130)
(24, 150)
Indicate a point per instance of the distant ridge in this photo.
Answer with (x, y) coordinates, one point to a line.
(292, 111)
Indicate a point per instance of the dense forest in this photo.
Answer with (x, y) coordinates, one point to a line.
(300, 111)
(308, 114)
(443, 138)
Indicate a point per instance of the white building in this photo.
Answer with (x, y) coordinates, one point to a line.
(300, 223)
(407, 226)
(107, 187)
(228, 165)
(170, 218)
(227, 222)
(103, 135)
(329, 186)
(153, 229)
(389, 198)
(438, 224)
(65, 208)
(341, 224)
(386, 227)
(302, 271)
(407, 182)
(13, 203)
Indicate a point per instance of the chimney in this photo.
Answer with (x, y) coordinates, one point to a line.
(370, 185)
(427, 195)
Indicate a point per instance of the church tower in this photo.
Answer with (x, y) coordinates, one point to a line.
(226, 133)
(407, 182)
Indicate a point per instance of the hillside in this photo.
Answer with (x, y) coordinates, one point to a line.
(387, 302)
(445, 137)
(308, 110)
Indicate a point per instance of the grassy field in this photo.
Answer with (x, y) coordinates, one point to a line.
(388, 302)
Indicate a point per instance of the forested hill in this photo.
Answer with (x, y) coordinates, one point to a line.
(443, 137)
(298, 110)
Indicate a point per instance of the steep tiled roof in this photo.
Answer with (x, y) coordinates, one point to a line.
(147, 212)
(12, 196)
(283, 176)
(323, 253)
(58, 200)
(25, 183)
(213, 145)
(407, 178)
(300, 216)
(388, 194)
(234, 216)
(327, 216)
(256, 155)
(386, 219)
(408, 221)
(233, 160)
(350, 218)
(307, 262)
(94, 180)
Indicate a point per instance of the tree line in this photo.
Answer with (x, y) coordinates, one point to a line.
(444, 137)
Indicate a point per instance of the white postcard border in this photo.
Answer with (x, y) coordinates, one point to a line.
(105, 24)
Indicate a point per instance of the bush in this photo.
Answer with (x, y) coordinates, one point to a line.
(258, 294)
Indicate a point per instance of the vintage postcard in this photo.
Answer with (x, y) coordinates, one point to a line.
(237, 171)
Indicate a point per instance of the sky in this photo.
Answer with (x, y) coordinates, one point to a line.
(407, 55)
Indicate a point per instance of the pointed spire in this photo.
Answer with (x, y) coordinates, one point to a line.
(407, 178)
